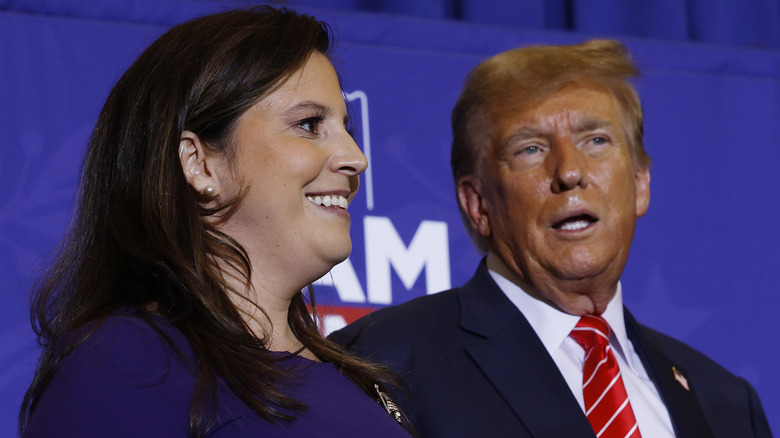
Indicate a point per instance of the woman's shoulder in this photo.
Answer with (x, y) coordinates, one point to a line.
(131, 374)
(130, 343)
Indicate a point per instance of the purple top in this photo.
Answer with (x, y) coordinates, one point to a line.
(126, 381)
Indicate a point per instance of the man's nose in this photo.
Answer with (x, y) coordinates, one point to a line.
(568, 167)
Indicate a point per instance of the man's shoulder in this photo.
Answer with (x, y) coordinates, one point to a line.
(404, 321)
(419, 309)
(712, 380)
(730, 402)
(399, 335)
(678, 350)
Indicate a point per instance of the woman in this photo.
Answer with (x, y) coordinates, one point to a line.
(215, 189)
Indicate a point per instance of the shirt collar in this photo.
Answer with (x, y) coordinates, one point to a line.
(551, 325)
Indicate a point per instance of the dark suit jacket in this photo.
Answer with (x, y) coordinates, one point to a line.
(475, 368)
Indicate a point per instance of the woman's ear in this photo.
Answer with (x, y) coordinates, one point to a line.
(196, 164)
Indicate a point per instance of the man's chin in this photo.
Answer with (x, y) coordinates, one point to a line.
(585, 279)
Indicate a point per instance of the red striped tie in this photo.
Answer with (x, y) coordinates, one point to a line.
(606, 402)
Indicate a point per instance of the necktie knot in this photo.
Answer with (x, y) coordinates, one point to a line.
(590, 331)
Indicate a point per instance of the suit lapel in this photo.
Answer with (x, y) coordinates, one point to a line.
(673, 383)
(516, 363)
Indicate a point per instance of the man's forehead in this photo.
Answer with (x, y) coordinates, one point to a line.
(574, 121)
(577, 109)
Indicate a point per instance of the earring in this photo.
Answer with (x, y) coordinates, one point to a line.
(208, 191)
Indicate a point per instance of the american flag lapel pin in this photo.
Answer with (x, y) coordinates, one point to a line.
(678, 376)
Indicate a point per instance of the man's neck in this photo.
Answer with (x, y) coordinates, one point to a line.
(573, 297)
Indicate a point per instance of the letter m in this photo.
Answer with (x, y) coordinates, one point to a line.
(428, 249)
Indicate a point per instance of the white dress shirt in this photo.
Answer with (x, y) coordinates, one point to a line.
(553, 326)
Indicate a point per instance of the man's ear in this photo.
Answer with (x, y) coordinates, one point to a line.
(473, 204)
(642, 181)
(196, 164)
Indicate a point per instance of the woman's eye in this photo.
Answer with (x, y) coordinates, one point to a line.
(310, 124)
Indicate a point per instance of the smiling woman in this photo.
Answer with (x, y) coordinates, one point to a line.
(216, 188)
(295, 145)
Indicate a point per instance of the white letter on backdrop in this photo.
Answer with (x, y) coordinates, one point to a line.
(429, 248)
(344, 279)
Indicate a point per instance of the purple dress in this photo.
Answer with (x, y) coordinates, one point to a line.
(126, 381)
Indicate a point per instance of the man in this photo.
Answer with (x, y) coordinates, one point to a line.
(551, 175)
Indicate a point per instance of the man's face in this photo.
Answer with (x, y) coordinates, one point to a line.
(557, 197)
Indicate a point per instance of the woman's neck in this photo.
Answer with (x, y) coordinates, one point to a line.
(266, 314)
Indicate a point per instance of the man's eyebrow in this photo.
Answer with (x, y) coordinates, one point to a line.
(523, 134)
(532, 131)
(592, 124)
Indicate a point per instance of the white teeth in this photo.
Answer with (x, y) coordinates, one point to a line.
(330, 201)
(575, 225)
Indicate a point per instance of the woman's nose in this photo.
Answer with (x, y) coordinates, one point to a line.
(349, 159)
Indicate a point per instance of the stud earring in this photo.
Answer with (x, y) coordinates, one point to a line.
(208, 191)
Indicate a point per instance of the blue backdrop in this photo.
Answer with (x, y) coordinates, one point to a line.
(704, 258)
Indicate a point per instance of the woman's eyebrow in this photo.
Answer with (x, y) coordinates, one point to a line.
(308, 105)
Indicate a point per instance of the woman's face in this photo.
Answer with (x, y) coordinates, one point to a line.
(301, 165)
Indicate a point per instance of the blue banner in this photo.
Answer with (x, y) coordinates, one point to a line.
(703, 261)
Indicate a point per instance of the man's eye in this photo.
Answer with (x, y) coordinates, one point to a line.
(530, 150)
(599, 140)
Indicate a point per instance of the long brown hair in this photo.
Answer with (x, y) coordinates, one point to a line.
(140, 237)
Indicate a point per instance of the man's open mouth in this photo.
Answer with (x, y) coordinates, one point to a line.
(575, 223)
